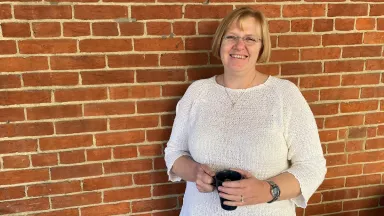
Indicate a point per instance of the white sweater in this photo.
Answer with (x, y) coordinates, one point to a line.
(270, 130)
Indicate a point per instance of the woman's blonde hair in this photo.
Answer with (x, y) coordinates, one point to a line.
(238, 15)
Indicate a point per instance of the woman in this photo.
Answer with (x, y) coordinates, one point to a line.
(258, 125)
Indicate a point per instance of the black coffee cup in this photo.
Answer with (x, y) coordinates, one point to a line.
(223, 176)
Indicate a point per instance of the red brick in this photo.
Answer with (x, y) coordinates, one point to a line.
(54, 188)
(344, 24)
(76, 29)
(325, 109)
(127, 194)
(26, 129)
(50, 79)
(202, 73)
(131, 28)
(380, 24)
(150, 178)
(347, 10)
(154, 204)
(44, 159)
(373, 168)
(340, 195)
(332, 184)
(107, 182)
(23, 176)
(125, 152)
(168, 189)
(206, 27)
(206, 11)
(33, 12)
(359, 106)
(365, 24)
(269, 10)
(66, 212)
(365, 157)
(153, 106)
(374, 143)
(17, 161)
(13, 146)
(106, 210)
(375, 64)
(134, 92)
(5, 11)
(71, 157)
(159, 163)
(16, 30)
(320, 53)
(186, 28)
(284, 55)
(47, 46)
(93, 12)
(347, 170)
(76, 200)
(133, 60)
(134, 122)
(363, 180)
(160, 75)
(322, 25)
(7, 47)
(345, 120)
(343, 66)
(119, 138)
(358, 204)
(174, 90)
(12, 64)
(46, 29)
(105, 29)
(12, 193)
(354, 145)
(105, 45)
(156, 44)
(360, 79)
(65, 142)
(319, 81)
(107, 77)
(156, 12)
(158, 134)
(371, 191)
(79, 126)
(304, 10)
(77, 62)
(339, 94)
(37, 204)
(158, 28)
(75, 171)
(374, 37)
(374, 118)
(304, 25)
(128, 166)
(167, 213)
(198, 43)
(360, 132)
(361, 51)
(98, 154)
(299, 40)
(150, 150)
(278, 26)
(342, 39)
(376, 10)
(83, 94)
(11, 114)
(183, 59)
(109, 108)
(334, 160)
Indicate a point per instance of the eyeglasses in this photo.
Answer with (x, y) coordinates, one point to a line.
(248, 40)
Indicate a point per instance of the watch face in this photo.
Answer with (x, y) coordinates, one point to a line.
(275, 191)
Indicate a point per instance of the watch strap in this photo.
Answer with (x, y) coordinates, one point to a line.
(275, 191)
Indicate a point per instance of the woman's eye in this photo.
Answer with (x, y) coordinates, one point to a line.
(249, 39)
(230, 37)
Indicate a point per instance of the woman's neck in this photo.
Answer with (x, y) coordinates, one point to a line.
(239, 81)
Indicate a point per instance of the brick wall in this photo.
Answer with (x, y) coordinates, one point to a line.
(88, 90)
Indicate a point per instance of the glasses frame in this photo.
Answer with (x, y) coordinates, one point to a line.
(237, 39)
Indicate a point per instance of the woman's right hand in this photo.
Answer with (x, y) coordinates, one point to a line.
(204, 178)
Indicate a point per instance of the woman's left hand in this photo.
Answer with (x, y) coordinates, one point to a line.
(248, 191)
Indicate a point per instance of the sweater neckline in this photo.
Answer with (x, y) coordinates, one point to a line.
(260, 86)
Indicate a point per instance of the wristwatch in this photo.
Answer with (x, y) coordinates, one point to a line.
(275, 191)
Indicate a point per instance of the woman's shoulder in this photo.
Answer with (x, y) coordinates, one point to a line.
(199, 86)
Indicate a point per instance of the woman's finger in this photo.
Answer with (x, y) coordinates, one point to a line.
(244, 173)
(231, 191)
(235, 198)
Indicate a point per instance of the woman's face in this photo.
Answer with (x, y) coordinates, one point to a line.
(241, 55)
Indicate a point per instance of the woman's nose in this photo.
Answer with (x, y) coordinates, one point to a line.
(239, 44)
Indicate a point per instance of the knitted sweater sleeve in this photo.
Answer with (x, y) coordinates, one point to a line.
(177, 145)
(304, 146)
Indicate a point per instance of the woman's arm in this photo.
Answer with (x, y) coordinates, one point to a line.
(185, 168)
